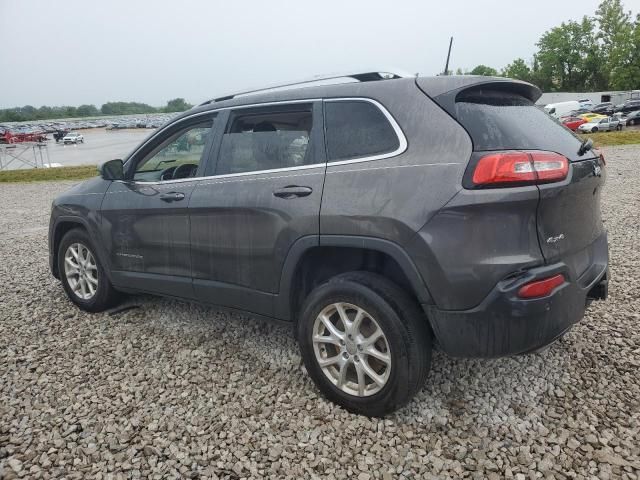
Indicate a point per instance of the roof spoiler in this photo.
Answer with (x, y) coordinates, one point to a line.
(445, 93)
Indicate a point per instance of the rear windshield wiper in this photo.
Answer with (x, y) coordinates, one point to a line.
(585, 147)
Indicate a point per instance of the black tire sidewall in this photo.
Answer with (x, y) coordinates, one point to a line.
(396, 390)
(104, 292)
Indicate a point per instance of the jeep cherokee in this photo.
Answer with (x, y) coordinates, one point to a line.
(380, 215)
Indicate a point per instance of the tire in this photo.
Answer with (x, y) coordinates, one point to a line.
(406, 336)
(618, 127)
(104, 296)
(594, 129)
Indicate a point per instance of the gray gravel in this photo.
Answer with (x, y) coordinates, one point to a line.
(179, 390)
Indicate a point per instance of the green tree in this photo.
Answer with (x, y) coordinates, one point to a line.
(484, 70)
(614, 25)
(616, 32)
(177, 105)
(70, 112)
(88, 111)
(625, 74)
(126, 108)
(569, 57)
(519, 70)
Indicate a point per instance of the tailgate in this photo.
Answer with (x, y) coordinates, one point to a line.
(569, 218)
(500, 116)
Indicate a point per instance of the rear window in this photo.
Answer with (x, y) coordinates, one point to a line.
(266, 141)
(357, 129)
(503, 120)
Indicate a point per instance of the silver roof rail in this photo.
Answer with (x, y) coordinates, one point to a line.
(360, 76)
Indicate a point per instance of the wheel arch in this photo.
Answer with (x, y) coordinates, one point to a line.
(61, 227)
(313, 260)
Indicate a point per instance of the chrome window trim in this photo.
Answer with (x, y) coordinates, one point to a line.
(402, 147)
(230, 175)
(402, 140)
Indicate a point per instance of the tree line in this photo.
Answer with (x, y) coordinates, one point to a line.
(29, 112)
(597, 53)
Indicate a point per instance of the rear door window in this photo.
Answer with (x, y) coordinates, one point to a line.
(267, 139)
(357, 129)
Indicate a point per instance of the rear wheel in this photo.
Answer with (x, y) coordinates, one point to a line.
(83, 277)
(365, 343)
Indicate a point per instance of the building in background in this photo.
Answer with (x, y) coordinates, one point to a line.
(596, 97)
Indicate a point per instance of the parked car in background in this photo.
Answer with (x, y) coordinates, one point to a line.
(632, 118)
(561, 109)
(572, 123)
(585, 103)
(601, 125)
(270, 209)
(73, 137)
(591, 116)
(21, 135)
(605, 108)
(628, 106)
(575, 113)
(58, 135)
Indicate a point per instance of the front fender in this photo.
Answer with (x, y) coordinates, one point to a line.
(78, 206)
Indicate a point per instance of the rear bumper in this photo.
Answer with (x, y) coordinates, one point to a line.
(504, 324)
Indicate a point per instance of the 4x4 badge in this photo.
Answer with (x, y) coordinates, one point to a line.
(555, 239)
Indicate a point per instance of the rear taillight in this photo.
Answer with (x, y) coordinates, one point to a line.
(602, 160)
(521, 168)
(541, 288)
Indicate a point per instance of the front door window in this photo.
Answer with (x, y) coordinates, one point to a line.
(177, 157)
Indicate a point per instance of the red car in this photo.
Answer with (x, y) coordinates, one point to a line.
(10, 136)
(572, 123)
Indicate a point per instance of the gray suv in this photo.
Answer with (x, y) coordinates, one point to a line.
(381, 216)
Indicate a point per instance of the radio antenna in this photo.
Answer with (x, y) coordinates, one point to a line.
(446, 67)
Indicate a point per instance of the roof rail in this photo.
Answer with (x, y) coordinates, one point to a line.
(360, 76)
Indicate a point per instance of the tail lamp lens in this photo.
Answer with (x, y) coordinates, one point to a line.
(541, 288)
(524, 168)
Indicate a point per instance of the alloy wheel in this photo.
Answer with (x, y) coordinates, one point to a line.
(81, 271)
(351, 349)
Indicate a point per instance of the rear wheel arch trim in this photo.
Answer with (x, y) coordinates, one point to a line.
(282, 307)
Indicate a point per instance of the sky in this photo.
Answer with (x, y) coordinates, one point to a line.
(75, 52)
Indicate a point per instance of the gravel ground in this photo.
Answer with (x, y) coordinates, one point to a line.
(178, 390)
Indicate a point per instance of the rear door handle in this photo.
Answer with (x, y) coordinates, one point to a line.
(172, 196)
(292, 191)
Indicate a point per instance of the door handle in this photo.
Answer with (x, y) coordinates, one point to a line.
(292, 191)
(172, 196)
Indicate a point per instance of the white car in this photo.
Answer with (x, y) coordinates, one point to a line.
(585, 103)
(601, 124)
(73, 137)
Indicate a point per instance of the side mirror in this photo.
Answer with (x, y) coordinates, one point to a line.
(112, 170)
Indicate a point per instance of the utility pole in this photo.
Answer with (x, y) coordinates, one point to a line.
(446, 67)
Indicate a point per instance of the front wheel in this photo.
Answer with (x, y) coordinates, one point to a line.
(365, 343)
(619, 127)
(83, 276)
(594, 129)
